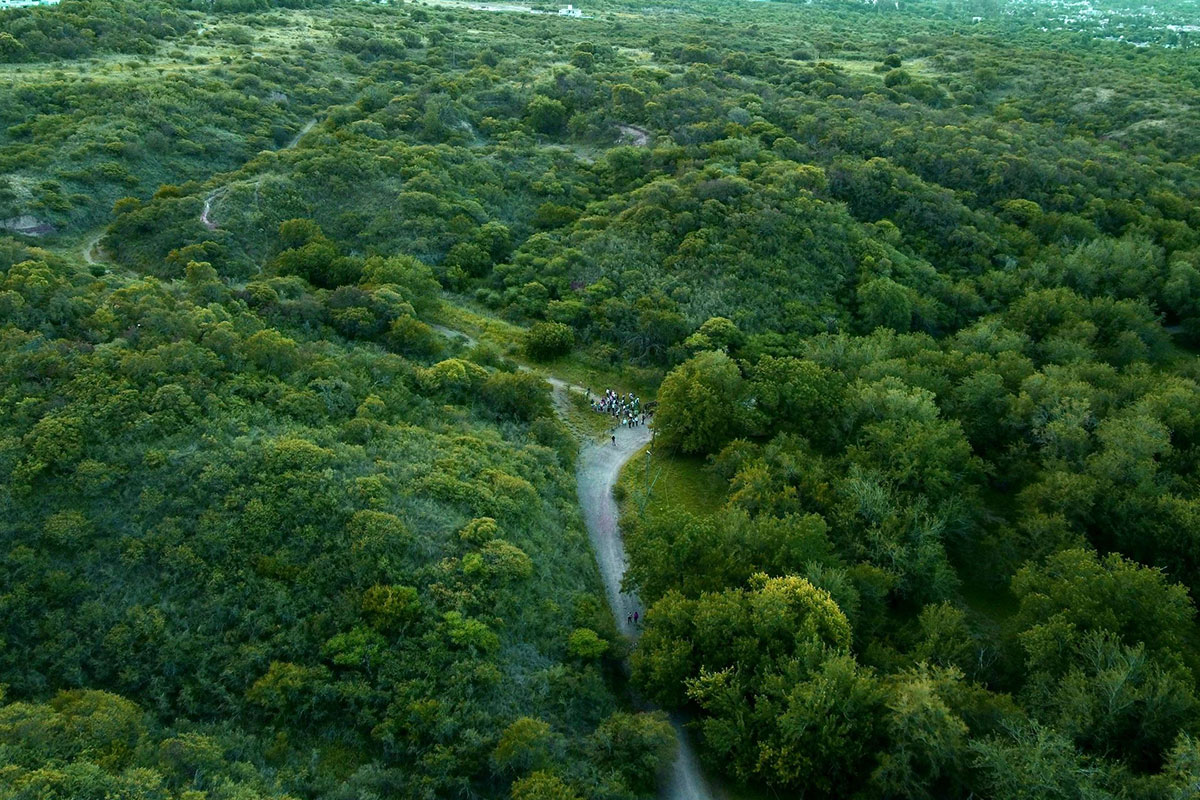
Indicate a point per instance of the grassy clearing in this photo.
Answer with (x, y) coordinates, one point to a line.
(576, 369)
(586, 423)
(484, 329)
(456, 314)
(677, 482)
(918, 68)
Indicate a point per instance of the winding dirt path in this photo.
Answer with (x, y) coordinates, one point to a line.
(452, 334)
(596, 472)
(92, 254)
(308, 126)
(208, 201)
(598, 467)
(640, 136)
(216, 194)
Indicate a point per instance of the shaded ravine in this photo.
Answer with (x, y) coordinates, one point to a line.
(596, 472)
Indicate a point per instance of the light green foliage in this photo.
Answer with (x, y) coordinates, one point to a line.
(96, 744)
(1077, 591)
(796, 395)
(700, 404)
(527, 744)
(635, 746)
(927, 757)
(276, 507)
(453, 378)
(586, 643)
(946, 638)
(547, 340)
(694, 554)
(413, 280)
(546, 115)
(390, 607)
(717, 333)
(1032, 762)
(756, 630)
(519, 395)
(884, 303)
(811, 725)
(542, 785)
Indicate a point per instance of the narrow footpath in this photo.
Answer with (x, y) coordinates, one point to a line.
(596, 472)
(216, 194)
(92, 253)
(598, 467)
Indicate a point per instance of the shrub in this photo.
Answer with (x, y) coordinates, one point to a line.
(547, 340)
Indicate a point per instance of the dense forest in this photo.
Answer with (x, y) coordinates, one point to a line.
(916, 286)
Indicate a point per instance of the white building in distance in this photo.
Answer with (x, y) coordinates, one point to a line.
(6, 4)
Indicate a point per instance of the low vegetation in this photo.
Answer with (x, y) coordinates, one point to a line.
(915, 288)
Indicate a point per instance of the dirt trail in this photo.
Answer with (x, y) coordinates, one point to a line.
(91, 249)
(599, 466)
(640, 136)
(217, 193)
(596, 472)
(308, 126)
(208, 201)
(452, 334)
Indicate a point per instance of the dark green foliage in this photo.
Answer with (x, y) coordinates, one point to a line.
(82, 28)
(700, 404)
(546, 115)
(919, 281)
(334, 540)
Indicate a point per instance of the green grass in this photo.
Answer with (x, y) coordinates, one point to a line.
(505, 336)
(459, 314)
(586, 423)
(676, 482)
(918, 68)
(576, 369)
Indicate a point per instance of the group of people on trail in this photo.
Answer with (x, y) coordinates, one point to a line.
(626, 408)
(632, 618)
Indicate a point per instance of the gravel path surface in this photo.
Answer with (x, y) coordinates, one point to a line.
(596, 472)
(639, 136)
(599, 465)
